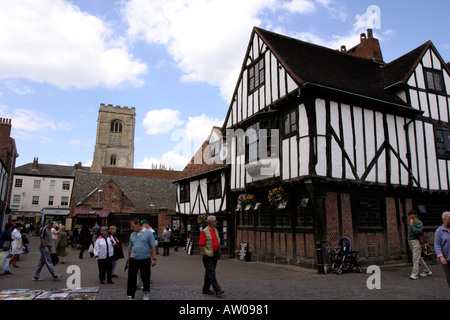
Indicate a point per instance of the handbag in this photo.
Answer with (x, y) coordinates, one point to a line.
(422, 238)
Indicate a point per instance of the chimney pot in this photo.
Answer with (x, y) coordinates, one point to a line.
(343, 49)
(362, 37)
(369, 33)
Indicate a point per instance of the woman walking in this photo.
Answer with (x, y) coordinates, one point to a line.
(61, 244)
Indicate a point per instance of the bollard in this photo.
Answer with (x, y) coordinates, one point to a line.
(319, 254)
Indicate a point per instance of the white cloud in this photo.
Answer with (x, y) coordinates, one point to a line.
(300, 6)
(161, 121)
(170, 160)
(31, 120)
(53, 41)
(206, 38)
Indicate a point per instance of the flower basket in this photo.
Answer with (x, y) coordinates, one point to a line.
(246, 199)
(277, 196)
(202, 220)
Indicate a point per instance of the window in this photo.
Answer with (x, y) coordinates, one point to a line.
(214, 188)
(256, 75)
(50, 200)
(368, 211)
(252, 143)
(18, 183)
(112, 160)
(64, 201)
(184, 192)
(16, 199)
(430, 212)
(261, 135)
(37, 184)
(116, 126)
(66, 185)
(434, 80)
(443, 142)
(52, 184)
(290, 123)
(304, 212)
(35, 200)
(214, 149)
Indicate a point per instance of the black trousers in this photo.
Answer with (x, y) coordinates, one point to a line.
(105, 266)
(134, 266)
(166, 246)
(210, 264)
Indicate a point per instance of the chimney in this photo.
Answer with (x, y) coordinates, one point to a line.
(77, 166)
(35, 164)
(5, 127)
(368, 48)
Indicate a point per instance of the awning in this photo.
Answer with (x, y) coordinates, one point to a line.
(91, 214)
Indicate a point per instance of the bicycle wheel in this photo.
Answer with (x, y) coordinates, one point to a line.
(429, 253)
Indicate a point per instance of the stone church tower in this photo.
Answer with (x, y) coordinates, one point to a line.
(114, 145)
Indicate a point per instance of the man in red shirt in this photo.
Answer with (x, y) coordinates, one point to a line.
(209, 249)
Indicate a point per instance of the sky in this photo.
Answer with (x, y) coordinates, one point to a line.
(176, 61)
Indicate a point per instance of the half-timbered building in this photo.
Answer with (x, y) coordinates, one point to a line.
(202, 191)
(355, 143)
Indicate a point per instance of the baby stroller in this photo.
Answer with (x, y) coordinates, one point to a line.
(342, 257)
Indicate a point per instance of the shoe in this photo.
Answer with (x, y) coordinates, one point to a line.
(110, 282)
(58, 276)
(130, 298)
(102, 282)
(7, 272)
(146, 296)
(114, 276)
(413, 277)
(37, 279)
(426, 273)
(218, 293)
(207, 292)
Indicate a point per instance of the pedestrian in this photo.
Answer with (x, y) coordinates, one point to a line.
(209, 249)
(167, 234)
(61, 244)
(141, 257)
(54, 231)
(95, 231)
(16, 245)
(442, 244)
(103, 253)
(85, 240)
(415, 228)
(5, 246)
(45, 248)
(118, 252)
(148, 227)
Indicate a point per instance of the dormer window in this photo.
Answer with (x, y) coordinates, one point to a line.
(434, 80)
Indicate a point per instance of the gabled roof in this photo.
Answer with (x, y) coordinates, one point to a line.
(198, 164)
(140, 191)
(49, 170)
(309, 63)
(401, 69)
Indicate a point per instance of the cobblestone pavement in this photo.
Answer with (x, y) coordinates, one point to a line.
(180, 277)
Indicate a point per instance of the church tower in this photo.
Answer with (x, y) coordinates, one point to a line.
(114, 146)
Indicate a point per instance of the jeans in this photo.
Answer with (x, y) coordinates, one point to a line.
(145, 269)
(210, 264)
(45, 260)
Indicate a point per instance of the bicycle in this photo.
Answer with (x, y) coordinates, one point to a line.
(428, 252)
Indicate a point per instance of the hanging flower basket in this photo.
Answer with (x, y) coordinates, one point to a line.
(277, 196)
(202, 220)
(246, 199)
